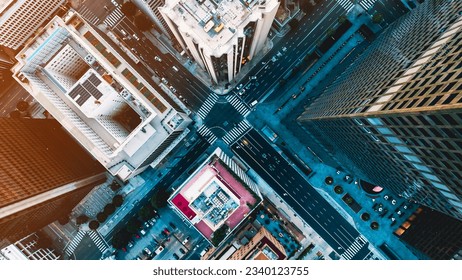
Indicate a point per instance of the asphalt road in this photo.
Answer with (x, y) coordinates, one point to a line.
(278, 62)
(298, 193)
(390, 9)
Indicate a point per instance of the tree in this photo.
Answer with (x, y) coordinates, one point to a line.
(129, 9)
(338, 189)
(330, 32)
(117, 200)
(219, 234)
(120, 239)
(16, 114)
(159, 199)
(133, 225)
(22, 105)
(342, 19)
(82, 219)
(93, 225)
(115, 185)
(142, 22)
(109, 209)
(146, 212)
(101, 217)
(377, 17)
(63, 220)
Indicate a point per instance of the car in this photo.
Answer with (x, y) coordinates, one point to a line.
(253, 77)
(146, 224)
(137, 236)
(130, 244)
(284, 49)
(175, 68)
(164, 81)
(182, 251)
(172, 89)
(157, 58)
(247, 87)
(166, 231)
(185, 240)
(147, 251)
(241, 93)
(143, 232)
(152, 221)
(204, 251)
(124, 249)
(239, 87)
(136, 37)
(175, 256)
(172, 225)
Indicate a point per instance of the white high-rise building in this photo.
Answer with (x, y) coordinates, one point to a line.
(19, 19)
(221, 35)
(81, 79)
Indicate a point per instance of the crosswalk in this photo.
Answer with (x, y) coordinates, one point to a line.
(346, 4)
(240, 129)
(95, 237)
(207, 106)
(367, 4)
(75, 242)
(207, 134)
(114, 17)
(237, 104)
(354, 248)
(99, 242)
(88, 15)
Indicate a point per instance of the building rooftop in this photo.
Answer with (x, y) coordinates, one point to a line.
(214, 196)
(214, 23)
(85, 84)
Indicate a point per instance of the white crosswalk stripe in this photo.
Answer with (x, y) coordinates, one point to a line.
(88, 15)
(346, 4)
(100, 243)
(207, 106)
(367, 4)
(354, 248)
(238, 131)
(75, 242)
(114, 17)
(237, 104)
(207, 134)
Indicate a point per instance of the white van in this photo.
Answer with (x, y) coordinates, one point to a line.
(175, 68)
(253, 103)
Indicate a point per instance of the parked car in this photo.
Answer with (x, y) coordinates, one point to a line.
(172, 225)
(147, 251)
(175, 256)
(182, 251)
(185, 240)
(156, 58)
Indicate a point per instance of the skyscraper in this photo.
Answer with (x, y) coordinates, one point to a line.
(44, 173)
(89, 85)
(221, 36)
(151, 9)
(396, 112)
(19, 19)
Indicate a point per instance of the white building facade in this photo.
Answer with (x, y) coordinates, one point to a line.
(222, 35)
(19, 19)
(82, 80)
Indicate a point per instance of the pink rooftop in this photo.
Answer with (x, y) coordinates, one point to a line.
(214, 171)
